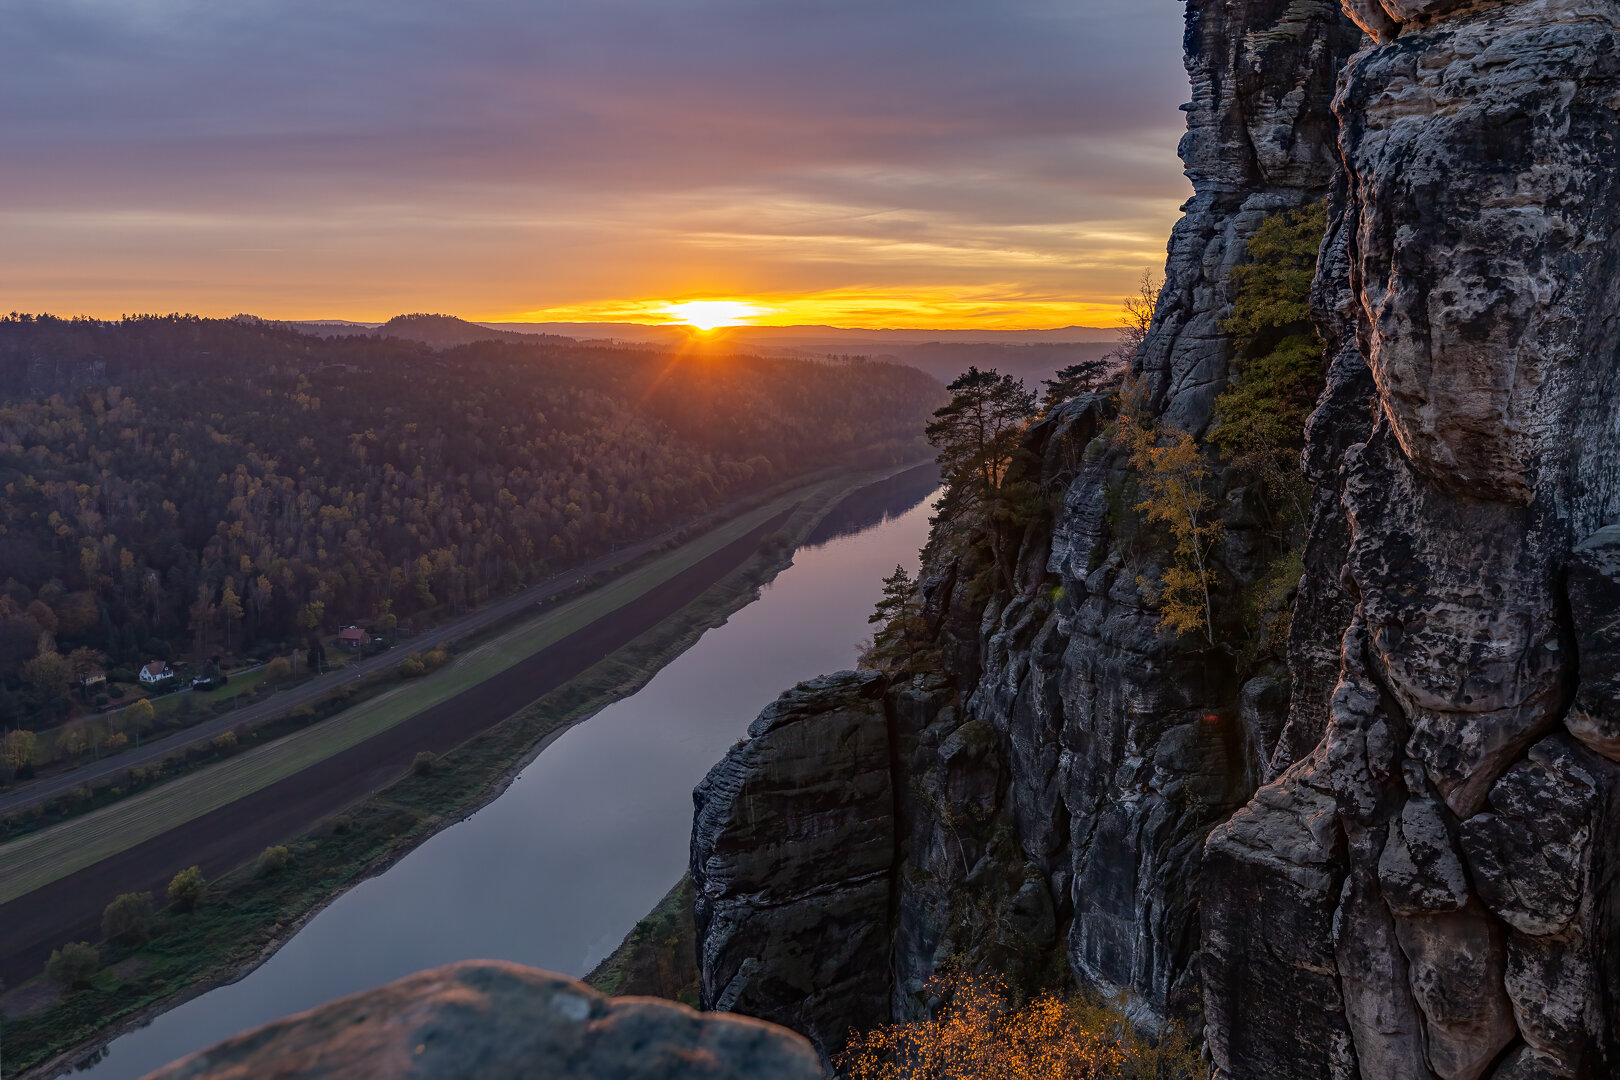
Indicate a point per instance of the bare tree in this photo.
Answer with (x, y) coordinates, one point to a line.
(1139, 311)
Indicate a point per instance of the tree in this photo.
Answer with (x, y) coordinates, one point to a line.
(140, 717)
(312, 616)
(1278, 361)
(274, 860)
(231, 606)
(1173, 474)
(17, 750)
(979, 437)
(73, 965)
(897, 616)
(978, 1035)
(1139, 311)
(278, 670)
(425, 764)
(314, 652)
(49, 673)
(73, 740)
(1076, 379)
(188, 890)
(128, 918)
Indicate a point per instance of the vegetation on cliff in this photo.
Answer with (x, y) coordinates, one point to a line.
(979, 1034)
(1279, 363)
(979, 434)
(1259, 432)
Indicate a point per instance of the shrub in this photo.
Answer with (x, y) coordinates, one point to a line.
(128, 918)
(115, 692)
(426, 762)
(188, 889)
(73, 965)
(435, 659)
(226, 741)
(115, 742)
(274, 860)
(341, 824)
(278, 669)
(1279, 362)
(412, 668)
(978, 1034)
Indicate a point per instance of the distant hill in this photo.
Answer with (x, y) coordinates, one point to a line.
(1031, 355)
(821, 338)
(447, 331)
(436, 331)
(945, 360)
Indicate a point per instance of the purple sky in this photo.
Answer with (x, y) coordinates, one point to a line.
(984, 163)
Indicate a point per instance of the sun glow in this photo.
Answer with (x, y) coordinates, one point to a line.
(709, 315)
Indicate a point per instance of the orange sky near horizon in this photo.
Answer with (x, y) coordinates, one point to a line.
(925, 164)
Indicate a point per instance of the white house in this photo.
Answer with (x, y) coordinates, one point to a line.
(156, 672)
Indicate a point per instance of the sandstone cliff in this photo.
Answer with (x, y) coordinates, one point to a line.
(1412, 849)
(1431, 878)
(1042, 805)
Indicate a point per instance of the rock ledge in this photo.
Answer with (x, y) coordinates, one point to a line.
(499, 1021)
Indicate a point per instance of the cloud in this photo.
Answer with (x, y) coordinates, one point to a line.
(828, 143)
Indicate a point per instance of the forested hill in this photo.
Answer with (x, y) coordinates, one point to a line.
(193, 485)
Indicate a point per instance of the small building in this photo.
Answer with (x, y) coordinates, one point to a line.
(93, 681)
(156, 672)
(352, 637)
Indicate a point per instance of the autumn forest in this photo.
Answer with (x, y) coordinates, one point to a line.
(178, 486)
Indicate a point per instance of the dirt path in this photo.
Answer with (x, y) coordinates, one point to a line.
(70, 908)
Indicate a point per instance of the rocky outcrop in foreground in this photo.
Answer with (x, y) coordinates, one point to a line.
(495, 1021)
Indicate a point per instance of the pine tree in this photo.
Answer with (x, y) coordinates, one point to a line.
(979, 437)
(896, 616)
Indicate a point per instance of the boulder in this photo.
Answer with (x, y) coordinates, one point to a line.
(486, 1020)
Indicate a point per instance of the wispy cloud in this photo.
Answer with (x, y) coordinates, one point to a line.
(358, 157)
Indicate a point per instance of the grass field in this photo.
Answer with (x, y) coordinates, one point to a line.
(36, 860)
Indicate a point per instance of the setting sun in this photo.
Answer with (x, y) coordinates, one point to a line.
(712, 314)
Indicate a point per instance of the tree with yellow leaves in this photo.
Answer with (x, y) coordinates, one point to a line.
(977, 1035)
(1175, 476)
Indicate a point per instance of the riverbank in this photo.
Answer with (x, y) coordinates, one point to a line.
(365, 839)
(39, 804)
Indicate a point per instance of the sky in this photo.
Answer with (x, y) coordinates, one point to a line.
(939, 163)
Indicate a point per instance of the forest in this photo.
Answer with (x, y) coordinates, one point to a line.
(174, 486)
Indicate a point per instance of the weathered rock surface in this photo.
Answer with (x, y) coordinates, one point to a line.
(496, 1021)
(1594, 602)
(793, 856)
(1461, 290)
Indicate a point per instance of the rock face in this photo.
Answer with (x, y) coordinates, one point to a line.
(1392, 855)
(499, 1021)
(793, 857)
(1443, 838)
(1044, 805)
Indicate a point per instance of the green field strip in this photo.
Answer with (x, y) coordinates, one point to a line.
(41, 858)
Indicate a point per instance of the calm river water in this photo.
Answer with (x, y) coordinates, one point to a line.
(558, 869)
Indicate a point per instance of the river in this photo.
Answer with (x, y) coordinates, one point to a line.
(588, 839)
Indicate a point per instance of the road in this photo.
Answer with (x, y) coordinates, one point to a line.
(279, 704)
